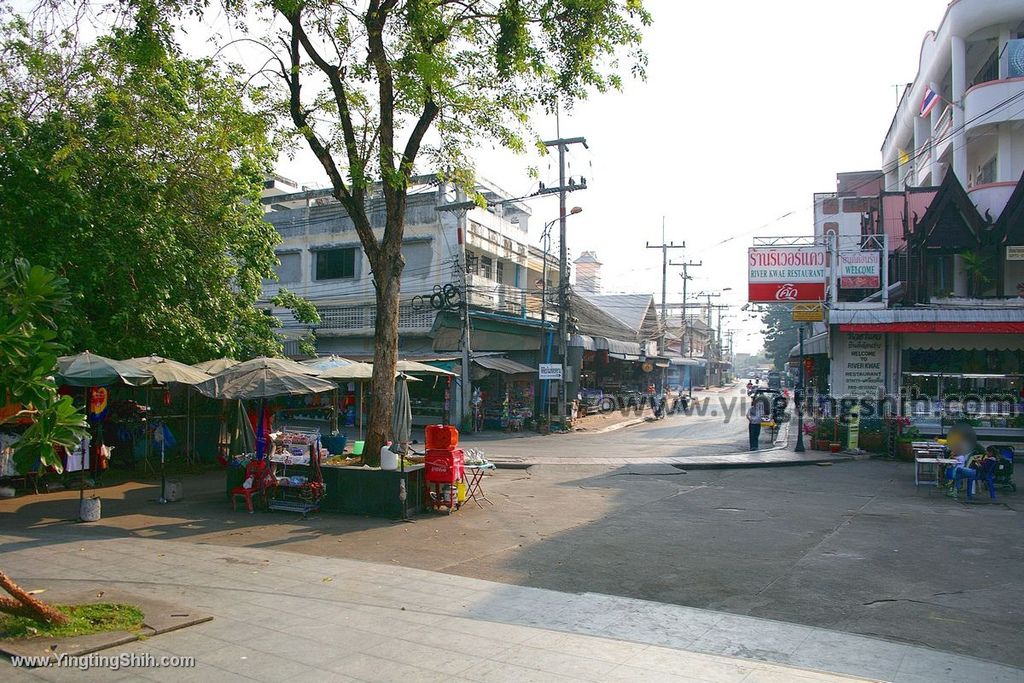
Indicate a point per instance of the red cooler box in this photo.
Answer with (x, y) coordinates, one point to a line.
(441, 437)
(444, 466)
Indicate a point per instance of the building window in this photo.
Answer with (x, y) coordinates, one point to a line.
(986, 172)
(485, 266)
(336, 264)
(290, 268)
(500, 271)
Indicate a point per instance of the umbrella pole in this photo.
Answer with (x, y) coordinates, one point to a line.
(163, 474)
(361, 409)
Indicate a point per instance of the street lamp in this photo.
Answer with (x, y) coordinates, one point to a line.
(546, 239)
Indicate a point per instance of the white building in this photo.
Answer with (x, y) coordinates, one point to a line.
(949, 202)
(323, 261)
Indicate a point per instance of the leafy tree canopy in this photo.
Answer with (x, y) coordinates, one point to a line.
(780, 334)
(135, 174)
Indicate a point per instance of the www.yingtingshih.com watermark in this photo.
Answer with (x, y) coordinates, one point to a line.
(111, 662)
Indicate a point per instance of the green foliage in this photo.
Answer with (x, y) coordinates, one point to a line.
(780, 335)
(978, 268)
(136, 174)
(82, 620)
(304, 312)
(32, 296)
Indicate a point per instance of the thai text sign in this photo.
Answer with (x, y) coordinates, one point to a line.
(549, 371)
(859, 270)
(786, 274)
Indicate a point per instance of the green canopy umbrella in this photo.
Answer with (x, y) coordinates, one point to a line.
(327, 362)
(264, 378)
(167, 371)
(90, 370)
(215, 366)
(423, 368)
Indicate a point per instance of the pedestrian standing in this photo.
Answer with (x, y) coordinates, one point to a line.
(755, 414)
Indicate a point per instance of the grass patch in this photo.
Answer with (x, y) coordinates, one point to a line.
(84, 619)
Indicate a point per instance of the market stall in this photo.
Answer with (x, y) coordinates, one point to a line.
(506, 392)
(305, 475)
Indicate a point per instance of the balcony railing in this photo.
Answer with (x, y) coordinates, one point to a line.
(490, 295)
(361, 317)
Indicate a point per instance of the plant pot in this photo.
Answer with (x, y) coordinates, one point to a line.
(89, 511)
(835, 447)
(821, 444)
(905, 451)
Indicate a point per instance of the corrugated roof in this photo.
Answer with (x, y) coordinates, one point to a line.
(504, 365)
(814, 345)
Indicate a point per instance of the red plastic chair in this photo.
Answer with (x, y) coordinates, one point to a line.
(262, 479)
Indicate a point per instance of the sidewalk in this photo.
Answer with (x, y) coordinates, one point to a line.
(281, 615)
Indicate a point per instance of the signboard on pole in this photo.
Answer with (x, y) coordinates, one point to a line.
(549, 371)
(1014, 253)
(808, 313)
(859, 270)
(786, 274)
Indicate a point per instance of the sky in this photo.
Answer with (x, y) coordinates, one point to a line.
(748, 108)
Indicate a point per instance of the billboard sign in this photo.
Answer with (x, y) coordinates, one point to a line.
(859, 270)
(808, 313)
(786, 274)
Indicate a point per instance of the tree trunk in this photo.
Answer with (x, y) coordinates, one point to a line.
(387, 276)
(27, 606)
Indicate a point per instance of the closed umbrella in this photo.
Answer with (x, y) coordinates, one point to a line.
(401, 417)
(216, 366)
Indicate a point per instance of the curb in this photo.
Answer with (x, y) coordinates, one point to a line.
(754, 465)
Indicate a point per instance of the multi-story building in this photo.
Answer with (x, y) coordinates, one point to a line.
(323, 261)
(939, 231)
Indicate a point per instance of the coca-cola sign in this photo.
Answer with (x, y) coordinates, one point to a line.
(786, 274)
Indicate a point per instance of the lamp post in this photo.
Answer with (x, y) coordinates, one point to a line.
(800, 399)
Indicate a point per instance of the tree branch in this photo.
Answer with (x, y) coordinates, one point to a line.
(300, 118)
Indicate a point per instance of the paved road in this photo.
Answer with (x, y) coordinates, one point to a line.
(717, 425)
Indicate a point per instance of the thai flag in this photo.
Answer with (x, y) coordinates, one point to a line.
(931, 98)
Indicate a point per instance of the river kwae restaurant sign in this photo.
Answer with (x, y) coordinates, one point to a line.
(786, 274)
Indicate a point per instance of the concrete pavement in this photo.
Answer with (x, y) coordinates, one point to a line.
(280, 615)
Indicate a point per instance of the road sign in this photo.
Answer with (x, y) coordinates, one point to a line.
(808, 313)
(549, 371)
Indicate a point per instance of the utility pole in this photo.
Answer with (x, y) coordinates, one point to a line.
(686, 265)
(664, 277)
(563, 266)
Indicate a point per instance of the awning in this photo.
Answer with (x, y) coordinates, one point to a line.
(616, 348)
(814, 345)
(936, 328)
(504, 365)
(694, 362)
(582, 341)
(658, 361)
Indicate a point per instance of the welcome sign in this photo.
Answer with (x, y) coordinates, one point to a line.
(859, 270)
(786, 274)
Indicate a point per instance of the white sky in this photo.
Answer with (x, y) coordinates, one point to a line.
(749, 107)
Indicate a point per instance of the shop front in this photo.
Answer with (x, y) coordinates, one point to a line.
(937, 367)
(504, 393)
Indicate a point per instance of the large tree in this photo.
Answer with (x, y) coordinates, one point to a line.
(780, 334)
(136, 174)
(375, 88)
